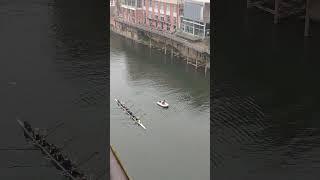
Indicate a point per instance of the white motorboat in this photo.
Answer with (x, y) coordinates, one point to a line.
(163, 104)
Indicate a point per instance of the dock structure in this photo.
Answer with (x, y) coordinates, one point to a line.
(309, 9)
(312, 12)
(117, 171)
(279, 8)
(195, 53)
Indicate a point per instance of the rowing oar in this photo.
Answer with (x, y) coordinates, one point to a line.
(17, 149)
(26, 166)
(67, 142)
(86, 160)
(54, 129)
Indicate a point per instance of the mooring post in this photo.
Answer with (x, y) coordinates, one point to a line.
(205, 69)
(307, 19)
(165, 47)
(171, 52)
(276, 12)
(196, 63)
(150, 42)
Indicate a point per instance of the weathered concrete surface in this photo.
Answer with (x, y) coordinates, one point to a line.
(117, 172)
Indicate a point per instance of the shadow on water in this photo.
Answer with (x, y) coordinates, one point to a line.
(265, 117)
(53, 69)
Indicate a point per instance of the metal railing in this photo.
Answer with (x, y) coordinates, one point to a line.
(165, 34)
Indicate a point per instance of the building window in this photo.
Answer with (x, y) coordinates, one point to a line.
(139, 3)
(174, 8)
(168, 7)
(150, 3)
(144, 2)
(161, 5)
(168, 18)
(156, 4)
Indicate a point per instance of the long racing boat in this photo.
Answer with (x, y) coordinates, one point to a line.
(124, 108)
(43, 149)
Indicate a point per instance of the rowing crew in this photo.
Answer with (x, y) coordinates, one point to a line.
(129, 112)
(55, 152)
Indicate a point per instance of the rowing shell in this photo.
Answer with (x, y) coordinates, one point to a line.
(47, 153)
(132, 117)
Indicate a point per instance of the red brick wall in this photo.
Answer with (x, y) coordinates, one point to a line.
(171, 17)
(165, 16)
(147, 12)
(139, 16)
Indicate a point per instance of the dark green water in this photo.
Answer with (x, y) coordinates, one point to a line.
(52, 68)
(266, 99)
(176, 142)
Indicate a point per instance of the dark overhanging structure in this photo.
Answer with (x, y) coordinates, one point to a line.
(285, 8)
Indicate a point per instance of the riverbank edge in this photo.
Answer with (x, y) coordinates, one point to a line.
(115, 154)
(155, 46)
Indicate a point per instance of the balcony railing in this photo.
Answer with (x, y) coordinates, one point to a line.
(165, 34)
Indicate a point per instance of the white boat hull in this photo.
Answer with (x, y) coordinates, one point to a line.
(139, 123)
(164, 105)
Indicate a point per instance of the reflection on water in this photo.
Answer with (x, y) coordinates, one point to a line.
(176, 142)
(265, 120)
(53, 69)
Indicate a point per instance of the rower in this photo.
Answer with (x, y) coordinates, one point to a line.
(67, 164)
(59, 157)
(75, 172)
(137, 119)
(27, 126)
(43, 141)
(37, 136)
(53, 149)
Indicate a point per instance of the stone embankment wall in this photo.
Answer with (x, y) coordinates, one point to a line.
(168, 46)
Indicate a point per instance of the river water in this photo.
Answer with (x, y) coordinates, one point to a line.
(175, 144)
(52, 69)
(266, 99)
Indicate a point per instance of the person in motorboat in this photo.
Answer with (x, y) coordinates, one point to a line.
(163, 102)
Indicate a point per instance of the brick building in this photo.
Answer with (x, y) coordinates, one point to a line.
(163, 15)
(131, 11)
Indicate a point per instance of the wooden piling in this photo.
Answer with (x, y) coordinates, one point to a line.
(307, 19)
(165, 48)
(276, 12)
